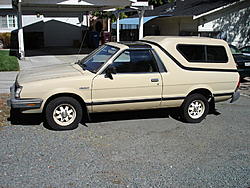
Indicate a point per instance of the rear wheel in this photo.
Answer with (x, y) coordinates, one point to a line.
(195, 108)
(63, 113)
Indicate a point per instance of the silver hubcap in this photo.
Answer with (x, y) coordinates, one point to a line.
(64, 114)
(196, 109)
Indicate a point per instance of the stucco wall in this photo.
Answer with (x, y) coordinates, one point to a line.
(171, 25)
(235, 26)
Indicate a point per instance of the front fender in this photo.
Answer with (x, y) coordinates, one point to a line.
(85, 95)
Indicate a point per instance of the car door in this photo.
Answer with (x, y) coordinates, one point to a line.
(137, 83)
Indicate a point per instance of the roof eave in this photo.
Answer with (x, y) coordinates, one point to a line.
(216, 13)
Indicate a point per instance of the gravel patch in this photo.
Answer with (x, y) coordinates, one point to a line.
(154, 151)
(4, 110)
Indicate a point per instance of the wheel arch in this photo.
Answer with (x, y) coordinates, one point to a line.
(203, 91)
(206, 93)
(73, 95)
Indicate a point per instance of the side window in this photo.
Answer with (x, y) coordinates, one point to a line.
(135, 61)
(192, 53)
(216, 54)
(203, 53)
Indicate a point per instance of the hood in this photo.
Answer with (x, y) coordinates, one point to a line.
(47, 72)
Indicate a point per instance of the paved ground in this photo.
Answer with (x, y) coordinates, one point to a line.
(8, 78)
(245, 87)
(131, 150)
(38, 61)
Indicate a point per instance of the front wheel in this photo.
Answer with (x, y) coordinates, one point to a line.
(195, 108)
(63, 113)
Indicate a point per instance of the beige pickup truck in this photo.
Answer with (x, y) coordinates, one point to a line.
(190, 73)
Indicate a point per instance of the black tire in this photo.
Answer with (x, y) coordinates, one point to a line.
(67, 109)
(200, 107)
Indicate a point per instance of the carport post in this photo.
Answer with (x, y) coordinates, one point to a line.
(141, 19)
(20, 31)
(117, 27)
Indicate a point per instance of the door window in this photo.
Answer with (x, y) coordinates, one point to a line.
(135, 61)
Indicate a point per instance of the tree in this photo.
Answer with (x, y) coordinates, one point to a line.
(103, 15)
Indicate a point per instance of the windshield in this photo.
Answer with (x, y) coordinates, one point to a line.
(98, 58)
(234, 50)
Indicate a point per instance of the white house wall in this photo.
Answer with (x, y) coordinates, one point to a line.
(29, 20)
(236, 27)
(5, 4)
(73, 21)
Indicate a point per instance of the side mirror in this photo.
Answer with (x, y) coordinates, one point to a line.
(109, 71)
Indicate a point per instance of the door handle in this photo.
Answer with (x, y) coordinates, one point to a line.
(154, 80)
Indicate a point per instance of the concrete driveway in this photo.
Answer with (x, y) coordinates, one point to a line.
(39, 61)
(8, 78)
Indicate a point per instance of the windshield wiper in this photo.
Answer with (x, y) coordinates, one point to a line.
(79, 62)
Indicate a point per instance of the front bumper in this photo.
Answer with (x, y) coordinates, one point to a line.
(235, 96)
(23, 103)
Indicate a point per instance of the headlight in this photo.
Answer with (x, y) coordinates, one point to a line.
(18, 91)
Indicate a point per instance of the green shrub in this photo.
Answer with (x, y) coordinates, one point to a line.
(7, 62)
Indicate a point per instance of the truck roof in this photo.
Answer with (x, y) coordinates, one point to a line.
(163, 40)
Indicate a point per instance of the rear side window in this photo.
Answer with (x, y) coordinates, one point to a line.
(203, 53)
(193, 53)
(216, 54)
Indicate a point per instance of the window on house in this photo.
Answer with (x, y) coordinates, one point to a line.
(8, 21)
(3, 22)
(12, 21)
(203, 53)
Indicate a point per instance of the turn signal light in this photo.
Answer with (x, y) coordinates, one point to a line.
(30, 104)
